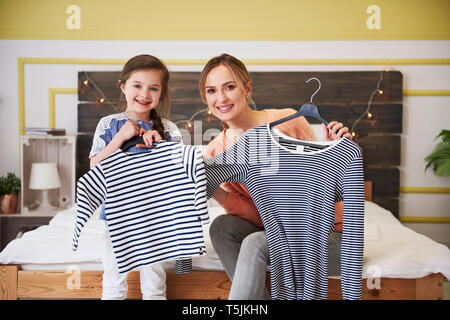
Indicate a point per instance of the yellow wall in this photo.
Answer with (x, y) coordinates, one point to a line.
(225, 20)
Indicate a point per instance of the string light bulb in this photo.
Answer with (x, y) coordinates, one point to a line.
(85, 82)
(369, 115)
(188, 125)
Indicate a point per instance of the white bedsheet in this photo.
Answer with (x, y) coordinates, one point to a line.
(49, 247)
(390, 249)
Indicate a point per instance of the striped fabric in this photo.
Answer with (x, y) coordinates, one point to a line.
(294, 190)
(155, 204)
(183, 266)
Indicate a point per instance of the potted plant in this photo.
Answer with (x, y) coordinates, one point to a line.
(9, 192)
(439, 159)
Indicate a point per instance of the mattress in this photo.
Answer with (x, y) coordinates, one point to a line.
(390, 249)
(49, 247)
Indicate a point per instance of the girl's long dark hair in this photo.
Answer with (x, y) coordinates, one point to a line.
(145, 62)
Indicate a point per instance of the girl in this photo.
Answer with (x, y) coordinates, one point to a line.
(144, 85)
(238, 237)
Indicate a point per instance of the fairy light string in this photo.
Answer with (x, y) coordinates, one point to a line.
(208, 115)
(369, 104)
(85, 85)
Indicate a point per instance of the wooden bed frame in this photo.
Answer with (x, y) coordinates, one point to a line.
(22, 284)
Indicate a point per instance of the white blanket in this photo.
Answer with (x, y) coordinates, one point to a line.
(390, 249)
(396, 251)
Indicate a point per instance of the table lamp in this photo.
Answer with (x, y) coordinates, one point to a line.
(44, 176)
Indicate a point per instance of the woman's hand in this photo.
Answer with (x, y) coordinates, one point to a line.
(220, 195)
(336, 130)
(149, 137)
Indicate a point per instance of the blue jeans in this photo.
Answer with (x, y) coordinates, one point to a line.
(243, 250)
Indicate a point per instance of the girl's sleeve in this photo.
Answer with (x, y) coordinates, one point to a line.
(172, 131)
(91, 192)
(102, 136)
(353, 230)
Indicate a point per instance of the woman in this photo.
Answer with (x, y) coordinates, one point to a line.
(238, 237)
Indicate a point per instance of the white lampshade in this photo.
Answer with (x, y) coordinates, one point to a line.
(44, 176)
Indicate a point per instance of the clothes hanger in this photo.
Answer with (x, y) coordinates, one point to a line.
(131, 143)
(134, 140)
(307, 110)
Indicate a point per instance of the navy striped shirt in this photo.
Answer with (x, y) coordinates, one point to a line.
(155, 204)
(294, 191)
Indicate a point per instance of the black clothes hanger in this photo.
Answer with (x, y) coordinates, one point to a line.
(131, 143)
(307, 110)
(136, 139)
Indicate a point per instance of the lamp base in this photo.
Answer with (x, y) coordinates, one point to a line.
(45, 205)
(46, 208)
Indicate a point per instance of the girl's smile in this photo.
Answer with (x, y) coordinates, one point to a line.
(143, 102)
(142, 91)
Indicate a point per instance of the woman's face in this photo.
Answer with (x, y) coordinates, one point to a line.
(142, 90)
(226, 98)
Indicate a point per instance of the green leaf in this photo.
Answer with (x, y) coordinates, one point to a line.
(439, 159)
(443, 170)
(9, 184)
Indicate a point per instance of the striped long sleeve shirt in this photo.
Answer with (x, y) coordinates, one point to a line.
(155, 204)
(294, 189)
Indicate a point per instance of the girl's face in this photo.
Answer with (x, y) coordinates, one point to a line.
(142, 91)
(226, 98)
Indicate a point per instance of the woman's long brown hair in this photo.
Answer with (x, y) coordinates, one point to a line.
(236, 67)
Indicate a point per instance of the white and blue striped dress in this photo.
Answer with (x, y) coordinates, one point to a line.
(294, 191)
(155, 204)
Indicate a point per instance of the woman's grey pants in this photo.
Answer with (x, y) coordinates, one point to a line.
(243, 250)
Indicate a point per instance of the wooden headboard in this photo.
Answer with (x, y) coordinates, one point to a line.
(368, 191)
(344, 96)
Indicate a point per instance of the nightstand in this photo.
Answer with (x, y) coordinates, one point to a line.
(12, 224)
(58, 149)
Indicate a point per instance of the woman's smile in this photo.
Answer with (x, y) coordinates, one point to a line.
(225, 108)
(225, 95)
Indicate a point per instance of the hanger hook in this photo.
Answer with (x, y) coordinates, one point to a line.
(320, 86)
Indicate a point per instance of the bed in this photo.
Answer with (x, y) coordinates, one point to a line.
(398, 263)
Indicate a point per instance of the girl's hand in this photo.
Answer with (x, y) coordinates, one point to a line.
(128, 131)
(149, 137)
(336, 130)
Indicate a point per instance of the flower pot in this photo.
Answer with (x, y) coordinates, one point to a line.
(9, 203)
